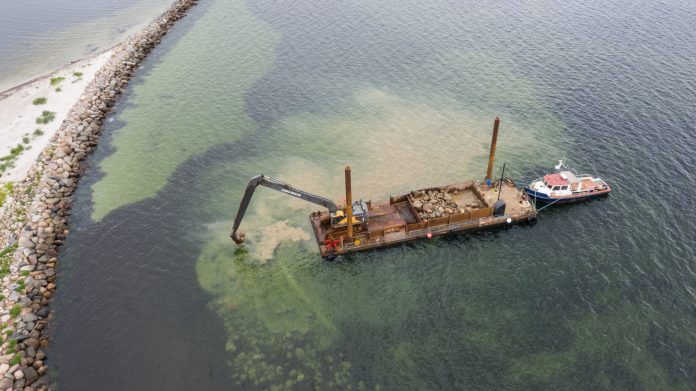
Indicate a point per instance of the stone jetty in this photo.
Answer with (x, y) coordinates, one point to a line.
(35, 212)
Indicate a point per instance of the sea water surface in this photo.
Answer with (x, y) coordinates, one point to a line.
(37, 36)
(595, 296)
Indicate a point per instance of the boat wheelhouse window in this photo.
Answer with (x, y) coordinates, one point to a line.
(564, 187)
(556, 188)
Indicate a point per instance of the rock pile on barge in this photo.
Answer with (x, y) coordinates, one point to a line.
(33, 217)
(431, 204)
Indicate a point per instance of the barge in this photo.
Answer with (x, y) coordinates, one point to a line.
(424, 213)
(473, 206)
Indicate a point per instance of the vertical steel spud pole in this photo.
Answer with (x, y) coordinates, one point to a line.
(349, 205)
(491, 157)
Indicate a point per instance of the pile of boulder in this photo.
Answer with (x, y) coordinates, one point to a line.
(33, 217)
(431, 204)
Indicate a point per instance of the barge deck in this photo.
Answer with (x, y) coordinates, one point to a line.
(405, 217)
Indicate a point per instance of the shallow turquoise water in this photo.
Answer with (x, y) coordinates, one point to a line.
(595, 296)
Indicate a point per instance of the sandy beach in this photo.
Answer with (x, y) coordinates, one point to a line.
(48, 100)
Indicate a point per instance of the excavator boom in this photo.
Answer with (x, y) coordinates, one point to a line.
(281, 187)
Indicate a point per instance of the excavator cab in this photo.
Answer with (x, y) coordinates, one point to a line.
(360, 215)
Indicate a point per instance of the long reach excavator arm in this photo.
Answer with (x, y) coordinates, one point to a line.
(281, 187)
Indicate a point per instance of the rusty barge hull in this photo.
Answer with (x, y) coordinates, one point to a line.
(408, 217)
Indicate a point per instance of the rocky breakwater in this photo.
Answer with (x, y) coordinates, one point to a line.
(35, 211)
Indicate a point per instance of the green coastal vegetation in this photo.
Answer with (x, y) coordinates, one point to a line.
(12, 344)
(8, 161)
(57, 80)
(46, 117)
(39, 101)
(16, 359)
(16, 310)
(6, 255)
(5, 191)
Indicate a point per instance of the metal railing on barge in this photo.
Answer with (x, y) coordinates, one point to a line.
(439, 225)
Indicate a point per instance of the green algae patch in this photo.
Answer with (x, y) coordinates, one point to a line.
(169, 122)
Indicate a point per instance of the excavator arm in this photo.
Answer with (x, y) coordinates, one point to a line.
(281, 187)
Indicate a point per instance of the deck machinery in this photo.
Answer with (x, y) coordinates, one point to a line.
(423, 213)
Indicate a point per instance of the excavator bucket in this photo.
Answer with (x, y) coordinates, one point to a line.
(238, 237)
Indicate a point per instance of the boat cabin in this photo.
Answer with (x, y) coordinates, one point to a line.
(566, 185)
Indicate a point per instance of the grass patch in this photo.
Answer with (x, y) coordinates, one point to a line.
(25, 140)
(77, 74)
(38, 132)
(4, 192)
(15, 360)
(5, 259)
(56, 80)
(15, 311)
(22, 286)
(39, 101)
(17, 150)
(8, 161)
(25, 273)
(46, 117)
(59, 89)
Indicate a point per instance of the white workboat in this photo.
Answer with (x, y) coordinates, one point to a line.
(566, 186)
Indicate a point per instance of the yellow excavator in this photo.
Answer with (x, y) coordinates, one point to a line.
(338, 215)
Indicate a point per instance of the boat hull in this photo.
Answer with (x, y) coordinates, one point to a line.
(545, 199)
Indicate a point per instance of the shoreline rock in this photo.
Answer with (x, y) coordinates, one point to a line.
(34, 216)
